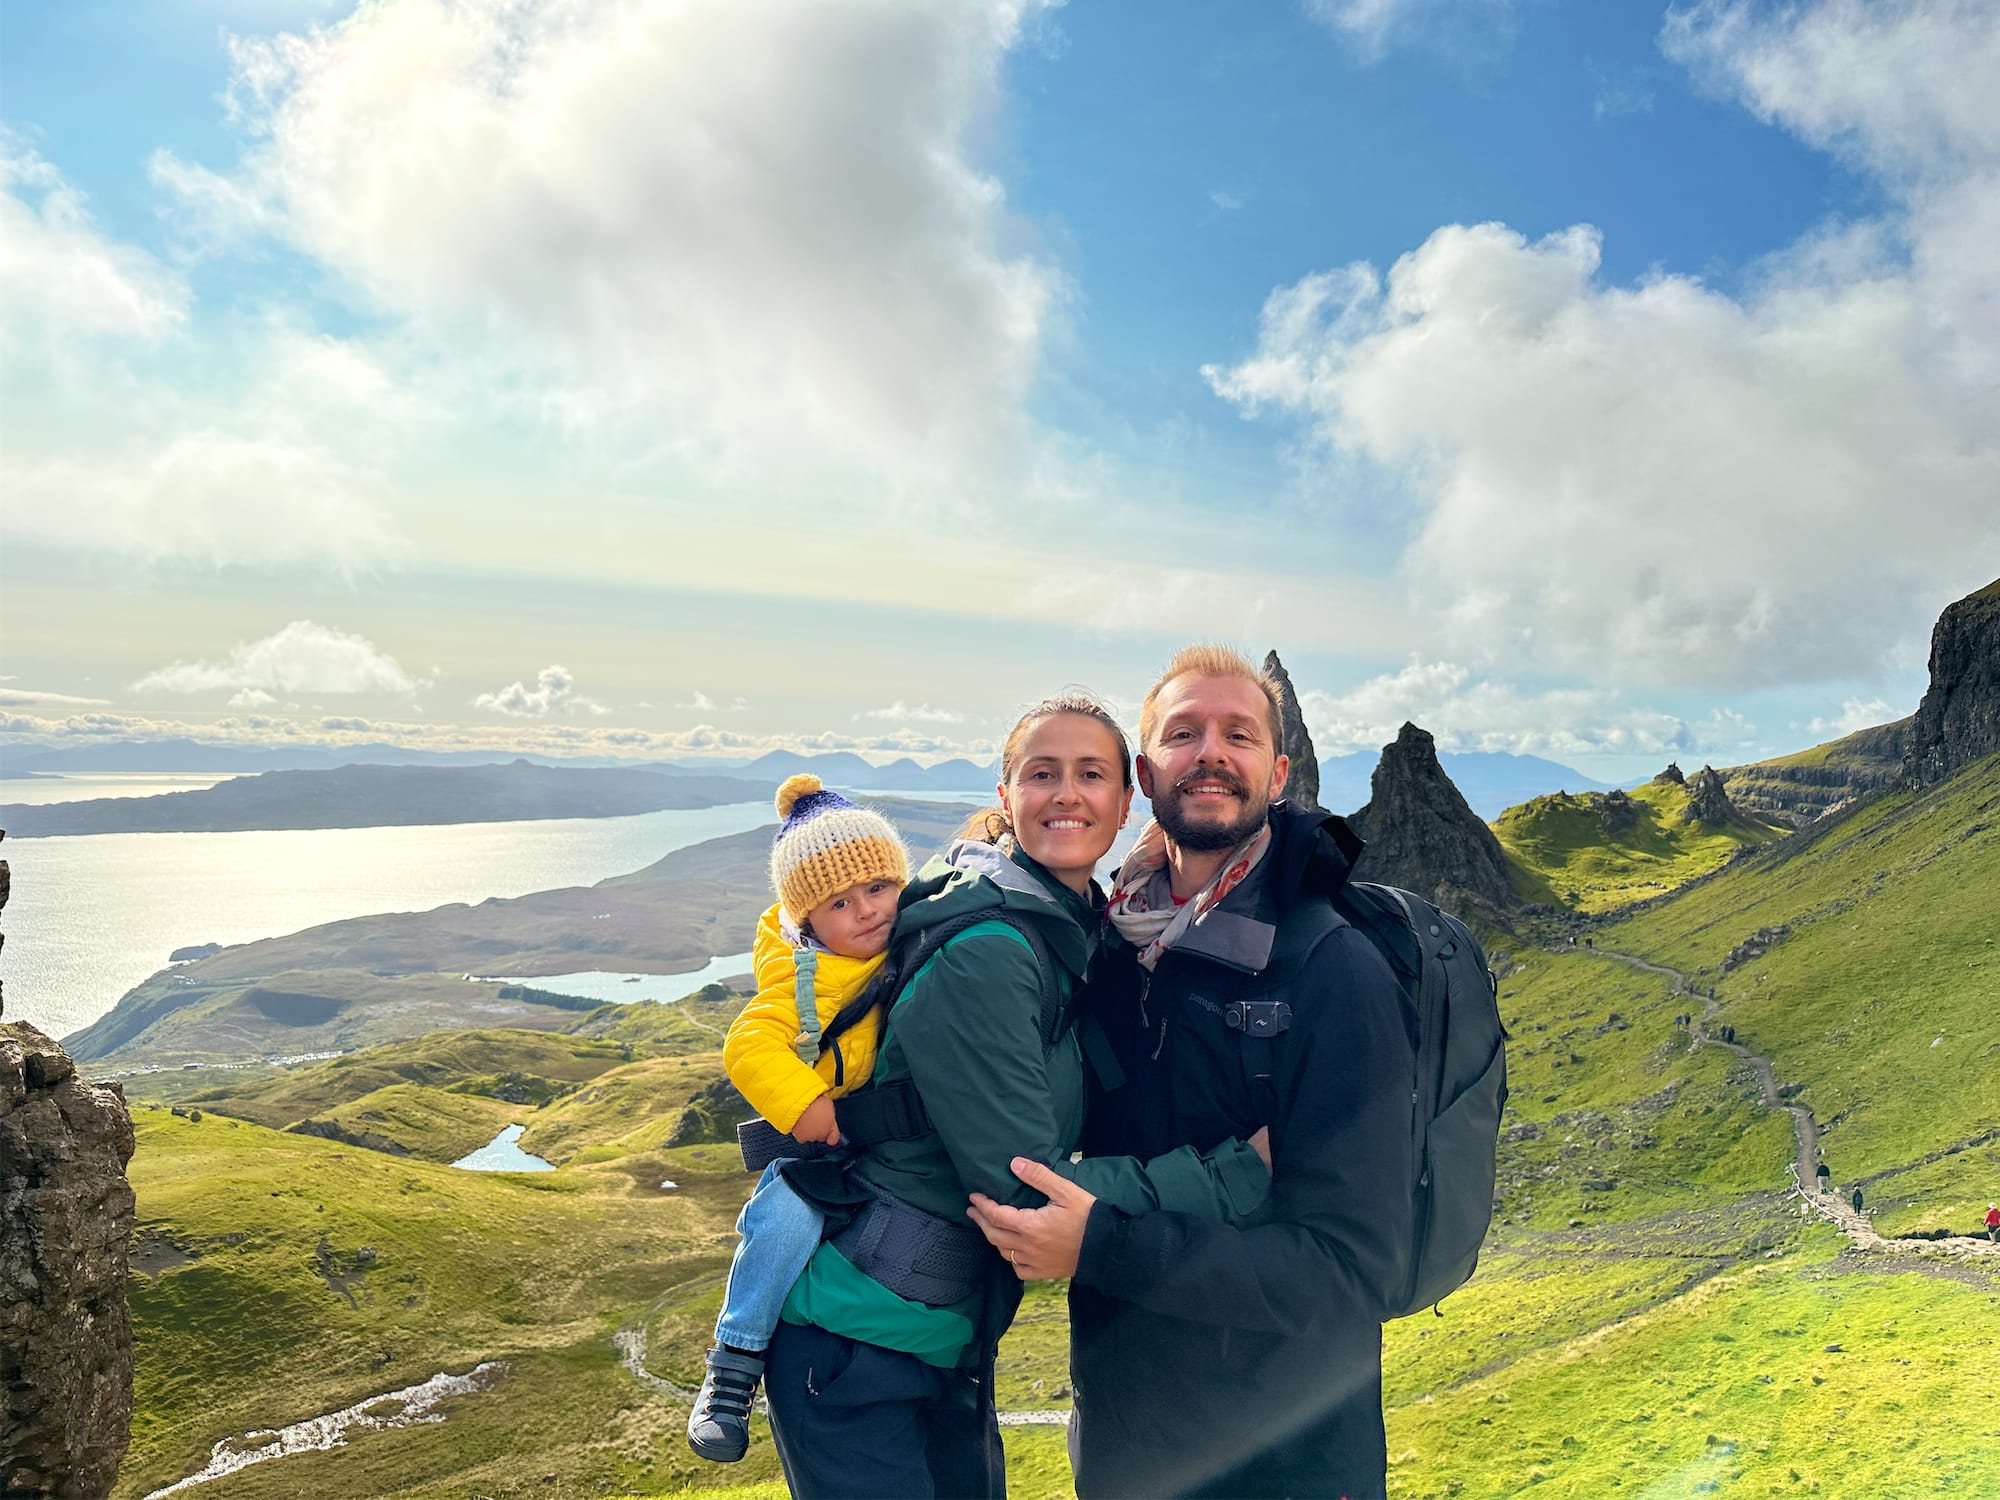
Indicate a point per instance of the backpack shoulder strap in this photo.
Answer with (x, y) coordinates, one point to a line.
(1261, 1023)
(894, 1111)
(934, 940)
(805, 963)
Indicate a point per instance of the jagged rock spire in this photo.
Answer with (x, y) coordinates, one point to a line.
(1708, 799)
(1421, 834)
(1302, 782)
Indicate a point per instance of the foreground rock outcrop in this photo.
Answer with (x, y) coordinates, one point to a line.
(1421, 834)
(65, 1227)
(1302, 781)
(1959, 720)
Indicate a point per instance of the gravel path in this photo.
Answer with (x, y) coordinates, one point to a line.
(1832, 1207)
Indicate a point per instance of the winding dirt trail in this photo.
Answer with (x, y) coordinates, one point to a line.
(1832, 1207)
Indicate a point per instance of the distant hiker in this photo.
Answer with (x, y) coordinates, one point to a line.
(837, 869)
(904, 1305)
(1711, 992)
(1825, 1177)
(1993, 1222)
(1856, 1200)
(1590, 943)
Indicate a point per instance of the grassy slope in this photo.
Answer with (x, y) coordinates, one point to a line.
(1667, 1334)
(1884, 1000)
(1649, 1316)
(1561, 841)
(466, 1266)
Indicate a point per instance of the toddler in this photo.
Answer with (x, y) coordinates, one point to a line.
(837, 869)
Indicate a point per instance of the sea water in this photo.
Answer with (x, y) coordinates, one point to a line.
(93, 915)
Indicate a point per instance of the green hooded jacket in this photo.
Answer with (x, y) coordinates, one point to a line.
(967, 1031)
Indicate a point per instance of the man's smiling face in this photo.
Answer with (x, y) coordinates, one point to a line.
(1211, 768)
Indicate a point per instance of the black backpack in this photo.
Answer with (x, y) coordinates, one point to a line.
(1461, 1081)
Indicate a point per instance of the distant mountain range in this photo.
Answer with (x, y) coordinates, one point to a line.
(1491, 781)
(849, 772)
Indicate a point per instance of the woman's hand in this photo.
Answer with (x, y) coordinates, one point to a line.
(1261, 1144)
(1043, 1243)
(817, 1125)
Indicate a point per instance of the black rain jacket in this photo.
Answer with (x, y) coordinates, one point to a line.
(1214, 1360)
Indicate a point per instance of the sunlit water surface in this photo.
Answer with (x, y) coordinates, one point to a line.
(92, 916)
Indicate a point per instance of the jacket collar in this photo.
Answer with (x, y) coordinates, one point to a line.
(1311, 853)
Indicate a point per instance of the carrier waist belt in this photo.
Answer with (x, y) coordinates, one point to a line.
(914, 1254)
(891, 1112)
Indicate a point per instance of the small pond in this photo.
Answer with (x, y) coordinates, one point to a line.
(504, 1154)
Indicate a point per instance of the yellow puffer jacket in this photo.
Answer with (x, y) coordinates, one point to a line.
(759, 1055)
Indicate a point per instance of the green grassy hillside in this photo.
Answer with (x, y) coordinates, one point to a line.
(1651, 1316)
(1598, 851)
(295, 1276)
(1882, 998)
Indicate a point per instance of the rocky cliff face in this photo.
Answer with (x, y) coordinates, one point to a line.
(65, 1227)
(1800, 788)
(1421, 834)
(1959, 720)
(1302, 782)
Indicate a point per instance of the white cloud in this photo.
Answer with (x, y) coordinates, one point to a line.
(517, 736)
(1855, 713)
(921, 713)
(301, 658)
(1904, 87)
(1465, 711)
(701, 703)
(1664, 483)
(59, 277)
(754, 224)
(205, 495)
(554, 692)
(30, 698)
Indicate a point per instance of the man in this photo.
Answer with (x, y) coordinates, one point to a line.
(1211, 1360)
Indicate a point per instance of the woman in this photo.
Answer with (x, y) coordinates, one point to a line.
(880, 1378)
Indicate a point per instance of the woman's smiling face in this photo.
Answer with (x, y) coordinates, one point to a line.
(1066, 796)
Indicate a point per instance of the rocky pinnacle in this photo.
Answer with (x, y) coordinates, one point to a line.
(1302, 782)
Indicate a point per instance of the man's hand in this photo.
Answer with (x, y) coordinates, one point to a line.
(1261, 1144)
(817, 1124)
(1041, 1243)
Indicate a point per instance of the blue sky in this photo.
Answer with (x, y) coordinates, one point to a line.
(1607, 382)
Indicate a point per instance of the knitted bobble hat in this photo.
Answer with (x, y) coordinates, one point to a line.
(827, 844)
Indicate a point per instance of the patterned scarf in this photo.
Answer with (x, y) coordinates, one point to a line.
(1142, 898)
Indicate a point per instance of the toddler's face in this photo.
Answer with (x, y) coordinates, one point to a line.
(855, 923)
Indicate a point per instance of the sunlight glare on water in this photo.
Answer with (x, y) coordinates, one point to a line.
(92, 916)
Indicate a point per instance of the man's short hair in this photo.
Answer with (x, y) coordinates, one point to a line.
(1204, 660)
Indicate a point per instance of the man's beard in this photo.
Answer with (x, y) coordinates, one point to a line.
(1204, 837)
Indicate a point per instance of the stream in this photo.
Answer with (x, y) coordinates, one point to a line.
(404, 1408)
